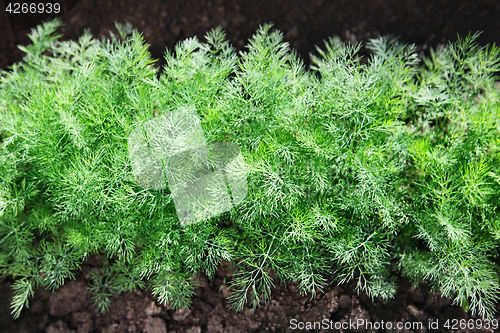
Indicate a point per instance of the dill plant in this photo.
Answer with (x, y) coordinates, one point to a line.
(355, 170)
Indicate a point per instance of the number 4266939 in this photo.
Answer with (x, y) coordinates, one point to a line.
(33, 8)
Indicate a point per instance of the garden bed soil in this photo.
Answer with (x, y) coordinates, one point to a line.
(304, 24)
(69, 310)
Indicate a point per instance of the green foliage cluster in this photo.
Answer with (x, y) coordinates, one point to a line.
(356, 169)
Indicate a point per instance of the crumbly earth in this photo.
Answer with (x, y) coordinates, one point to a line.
(304, 24)
(69, 310)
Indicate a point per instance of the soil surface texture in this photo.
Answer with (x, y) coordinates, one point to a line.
(304, 25)
(69, 310)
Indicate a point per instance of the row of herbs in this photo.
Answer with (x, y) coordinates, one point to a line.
(357, 168)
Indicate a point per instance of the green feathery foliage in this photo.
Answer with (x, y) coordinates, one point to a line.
(355, 169)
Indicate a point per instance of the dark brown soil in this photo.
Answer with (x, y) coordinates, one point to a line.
(69, 309)
(304, 24)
